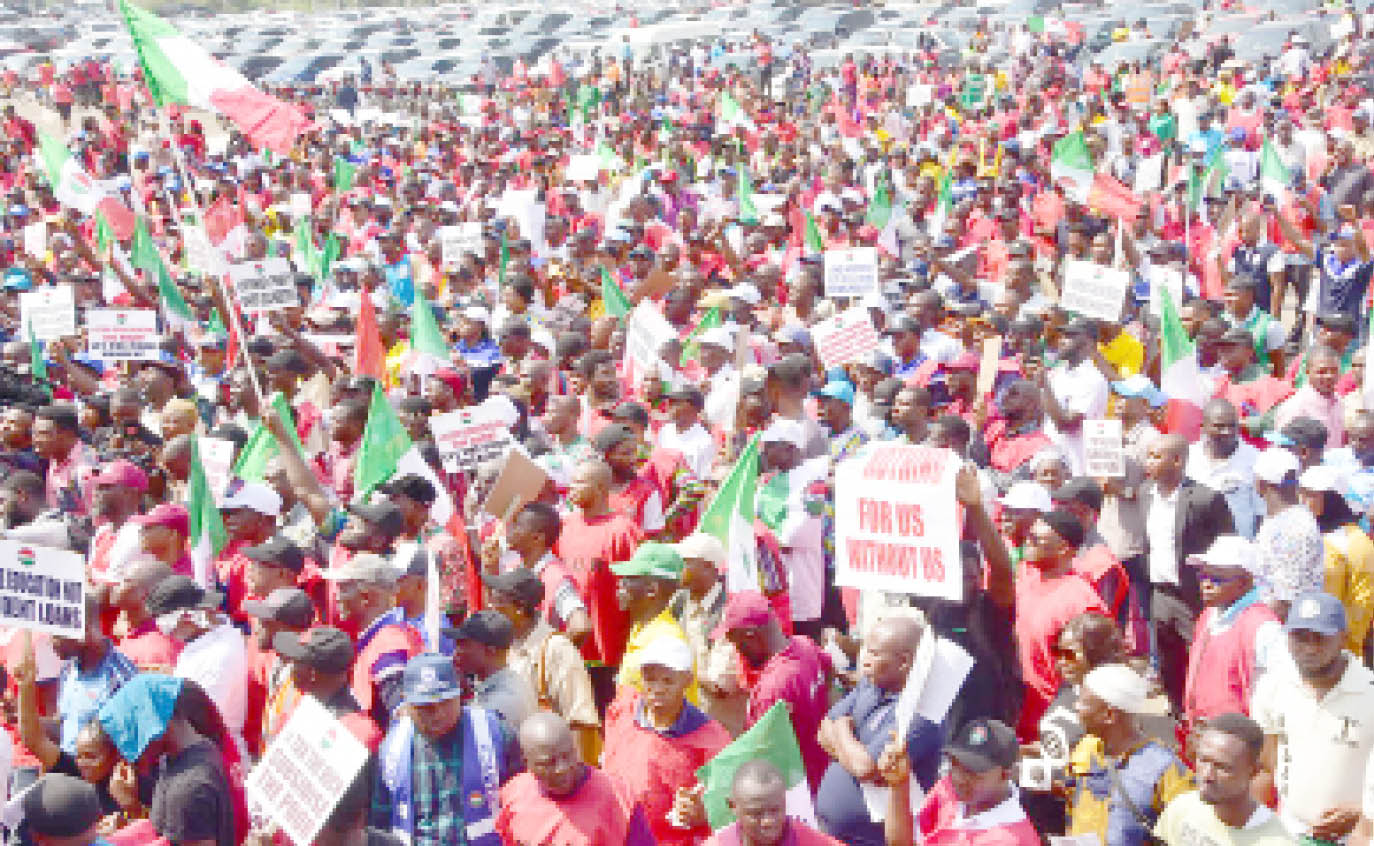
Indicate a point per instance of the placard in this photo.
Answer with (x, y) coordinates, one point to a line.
(897, 522)
(267, 285)
(49, 313)
(122, 334)
(646, 332)
(1149, 174)
(36, 240)
(42, 589)
(1103, 454)
(851, 272)
(217, 459)
(846, 337)
(470, 436)
(1164, 278)
(582, 168)
(520, 481)
(1093, 290)
(460, 240)
(300, 205)
(305, 771)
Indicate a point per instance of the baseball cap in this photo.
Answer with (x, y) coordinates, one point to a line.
(1316, 612)
(1275, 464)
(288, 606)
(687, 394)
(486, 627)
(670, 652)
(59, 805)
(430, 678)
(744, 610)
(842, 391)
(659, 560)
(1066, 525)
(785, 431)
(520, 583)
(176, 593)
(171, 515)
(1321, 477)
(793, 334)
(718, 336)
(1027, 496)
(704, 546)
(122, 473)
(1229, 551)
(1081, 490)
(364, 567)
(324, 648)
(984, 744)
(278, 552)
(254, 496)
(385, 516)
(901, 323)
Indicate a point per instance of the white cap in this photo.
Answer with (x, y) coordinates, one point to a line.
(773, 219)
(476, 313)
(718, 336)
(782, 430)
(702, 545)
(1320, 477)
(1275, 463)
(1027, 496)
(747, 292)
(669, 652)
(254, 496)
(1120, 687)
(1231, 551)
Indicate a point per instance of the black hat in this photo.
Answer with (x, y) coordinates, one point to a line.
(611, 435)
(1338, 322)
(325, 648)
(688, 394)
(1081, 490)
(288, 606)
(177, 593)
(521, 584)
(1236, 335)
(59, 805)
(1066, 526)
(385, 516)
(288, 361)
(412, 486)
(1081, 326)
(984, 744)
(487, 627)
(790, 367)
(278, 552)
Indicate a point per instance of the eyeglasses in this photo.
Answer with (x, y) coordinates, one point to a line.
(1218, 578)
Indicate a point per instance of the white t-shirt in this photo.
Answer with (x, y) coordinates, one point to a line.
(218, 662)
(1081, 389)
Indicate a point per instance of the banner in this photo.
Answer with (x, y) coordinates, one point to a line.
(471, 436)
(267, 285)
(645, 334)
(50, 313)
(851, 272)
(460, 240)
(1093, 290)
(122, 334)
(846, 337)
(1103, 454)
(305, 771)
(897, 522)
(42, 589)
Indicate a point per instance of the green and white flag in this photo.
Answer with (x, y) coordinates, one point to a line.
(386, 451)
(944, 204)
(429, 351)
(773, 739)
(748, 211)
(613, 296)
(261, 446)
(1072, 164)
(143, 255)
(730, 519)
(730, 114)
(208, 536)
(1274, 178)
(71, 184)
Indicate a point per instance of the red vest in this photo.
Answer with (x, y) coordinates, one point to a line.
(1229, 659)
(597, 813)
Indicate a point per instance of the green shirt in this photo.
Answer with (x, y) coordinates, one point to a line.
(1164, 127)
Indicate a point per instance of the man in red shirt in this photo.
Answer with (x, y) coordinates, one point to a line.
(591, 539)
(152, 650)
(250, 516)
(321, 662)
(285, 609)
(788, 669)
(758, 797)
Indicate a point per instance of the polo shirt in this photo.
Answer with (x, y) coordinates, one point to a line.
(796, 675)
(588, 548)
(1043, 608)
(1323, 743)
(1188, 821)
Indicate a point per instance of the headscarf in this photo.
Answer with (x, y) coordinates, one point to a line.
(139, 712)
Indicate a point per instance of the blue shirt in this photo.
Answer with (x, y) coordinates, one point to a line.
(80, 695)
(840, 806)
(399, 282)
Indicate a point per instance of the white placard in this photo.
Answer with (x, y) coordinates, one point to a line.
(470, 436)
(50, 313)
(1164, 278)
(919, 94)
(582, 168)
(851, 272)
(42, 589)
(897, 522)
(1103, 454)
(201, 254)
(646, 332)
(455, 241)
(1149, 174)
(217, 458)
(267, 285)
(300, 205)
(305, 771)
(122, 334)
(846, 337)
(36, 240)
(1093, 290)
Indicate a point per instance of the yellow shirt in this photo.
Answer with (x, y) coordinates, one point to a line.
(643, 634)
(1348, 559)
(1150, 770)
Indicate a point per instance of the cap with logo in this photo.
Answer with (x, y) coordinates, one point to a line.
(984, 744)
(277, 551)
(1316, 612)
(430, 678)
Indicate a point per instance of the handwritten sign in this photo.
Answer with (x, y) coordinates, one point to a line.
(262, 286)
(1093, 290)
(846, 337)
(50, 313)
(122, 334)
(470, 436)
(42, 589)
(1103, 454)
(305, 771)
(460, 240)
(852, 272)
(897, 522)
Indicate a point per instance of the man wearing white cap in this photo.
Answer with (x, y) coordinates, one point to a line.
(1347, 552)
(1123, 779)
(699, 606)
(717, 346)
(783, 506)
(250, 517)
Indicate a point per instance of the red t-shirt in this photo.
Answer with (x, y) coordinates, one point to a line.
(150, 649)
(587, 548)
(1043, 608)
(939, 821)
(797, 676)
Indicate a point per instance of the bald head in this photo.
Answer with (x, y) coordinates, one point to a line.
(1171, 444)
(544, 728)
(756, 777)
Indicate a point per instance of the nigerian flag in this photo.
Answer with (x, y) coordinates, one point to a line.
(261, 446)
(748, 212)
(1274, 177)
(812, 239)
(386, 451)
(613, 296)
(429, 350)
(1072, 163)
(344, 172)
(143, 255)
(730, 114)
(691, 348)
(773, 739)
(730, 519)
(944, 204)
(208, 536)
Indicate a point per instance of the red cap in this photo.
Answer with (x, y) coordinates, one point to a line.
(452, 378)
(122, 473)
(744, 610)
(171, 515)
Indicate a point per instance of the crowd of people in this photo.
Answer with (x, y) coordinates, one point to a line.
(1176, 653)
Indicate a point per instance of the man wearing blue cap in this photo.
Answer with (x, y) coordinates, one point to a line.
(1315, 716)
(442, 765)
(837, 413)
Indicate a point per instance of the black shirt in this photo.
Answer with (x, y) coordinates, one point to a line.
(192, 800)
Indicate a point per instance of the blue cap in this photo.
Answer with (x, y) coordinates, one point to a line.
(1140, 386)
(19, 208)
(430, 678)
(90, 361)
(840, 391)
(1316, 612)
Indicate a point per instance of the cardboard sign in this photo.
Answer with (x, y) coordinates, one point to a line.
(470, 436)
(122, 334)
(460, 240)
(646, 332)
(988, 366)
(36, 240)
(846, 337)
(49, 313)
(852, 272)
(42, 589)
(1103, 454)
(305, 771)
(521, 481)
(897, 522)
(1093, 290)
(267, 285)
(217, 459)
